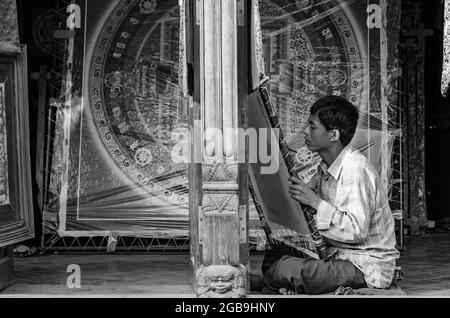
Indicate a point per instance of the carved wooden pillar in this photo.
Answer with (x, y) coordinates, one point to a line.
(218, 182)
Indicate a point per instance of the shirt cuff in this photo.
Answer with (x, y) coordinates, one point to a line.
(325, 213)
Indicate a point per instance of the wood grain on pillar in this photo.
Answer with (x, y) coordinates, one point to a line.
(218, 184)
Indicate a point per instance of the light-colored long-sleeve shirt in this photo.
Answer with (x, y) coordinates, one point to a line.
(354, 217)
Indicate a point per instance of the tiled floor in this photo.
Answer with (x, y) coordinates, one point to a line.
(425, 263)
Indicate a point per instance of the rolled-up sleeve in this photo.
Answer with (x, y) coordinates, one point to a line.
(348, 221)
(325, 215)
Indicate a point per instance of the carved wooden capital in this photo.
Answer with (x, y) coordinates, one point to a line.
(221, 281)
(220, 188)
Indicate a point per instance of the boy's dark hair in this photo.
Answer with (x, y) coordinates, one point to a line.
(338, 113)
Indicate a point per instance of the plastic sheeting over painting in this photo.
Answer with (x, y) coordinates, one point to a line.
(118, 150)
(347, 48)
(113, 164)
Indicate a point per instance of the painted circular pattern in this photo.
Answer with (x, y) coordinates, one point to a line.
(310, 53)
(134, 93)
(137, 109)
(310, 50)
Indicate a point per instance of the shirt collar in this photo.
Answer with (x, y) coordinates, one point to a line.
(336, 167)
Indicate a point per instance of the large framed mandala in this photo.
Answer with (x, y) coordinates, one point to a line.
(119, 163)
(134, 96)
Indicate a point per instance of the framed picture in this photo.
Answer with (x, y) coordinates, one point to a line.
(16, 208)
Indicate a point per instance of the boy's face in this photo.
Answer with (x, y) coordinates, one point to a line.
(317, 138)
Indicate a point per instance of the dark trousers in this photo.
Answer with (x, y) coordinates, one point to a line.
(308, 275)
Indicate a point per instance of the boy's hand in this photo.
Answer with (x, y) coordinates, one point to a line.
(301, 192)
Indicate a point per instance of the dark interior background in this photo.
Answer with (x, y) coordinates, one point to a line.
(36, 24)
(437, 114)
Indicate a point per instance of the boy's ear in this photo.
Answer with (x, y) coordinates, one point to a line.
(335, 135)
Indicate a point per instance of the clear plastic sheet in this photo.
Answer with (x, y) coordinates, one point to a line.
(122, 120)
(121, 117)
(346, 48)
(311, 49)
